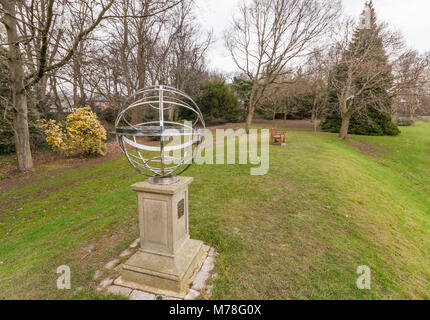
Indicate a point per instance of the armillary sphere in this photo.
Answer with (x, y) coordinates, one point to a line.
(155, 137)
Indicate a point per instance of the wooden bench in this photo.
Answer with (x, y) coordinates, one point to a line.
(276, 138)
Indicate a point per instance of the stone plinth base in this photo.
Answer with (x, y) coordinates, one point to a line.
(162, 274)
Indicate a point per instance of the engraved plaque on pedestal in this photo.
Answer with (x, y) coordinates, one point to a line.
(181, 208)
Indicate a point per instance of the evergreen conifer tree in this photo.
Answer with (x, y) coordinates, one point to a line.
(370, 120)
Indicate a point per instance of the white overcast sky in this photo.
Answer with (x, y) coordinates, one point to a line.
(411, 17)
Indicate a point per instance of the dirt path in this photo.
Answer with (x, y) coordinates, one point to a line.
(366, 148)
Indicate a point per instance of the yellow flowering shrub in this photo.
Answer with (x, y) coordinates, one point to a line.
(54, 134)
(81, 132)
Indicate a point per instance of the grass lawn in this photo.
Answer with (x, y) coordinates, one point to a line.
(300, 232)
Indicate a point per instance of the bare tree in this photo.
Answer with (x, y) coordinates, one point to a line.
(273, 101)
(318, 72)
(186, 58)
(167, 49)
(412, 71)
(269, 34)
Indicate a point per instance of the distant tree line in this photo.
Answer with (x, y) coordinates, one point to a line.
(355, 82)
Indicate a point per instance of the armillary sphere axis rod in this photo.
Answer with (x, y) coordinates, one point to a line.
(161, 117)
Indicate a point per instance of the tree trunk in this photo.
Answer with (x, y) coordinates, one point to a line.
(251, 109)
(21, 133)
(41, 88)
(60, 112)
(414, 108)
(314, 111)
(314, 120)
(345, 126)
(75, 67)
(19, 99)
(249, 117)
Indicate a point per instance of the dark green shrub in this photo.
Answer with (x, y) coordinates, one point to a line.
(107, 114)
(374, 123)
(217, 102)
(243, 88)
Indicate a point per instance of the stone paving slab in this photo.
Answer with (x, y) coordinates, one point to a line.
(125, 253)
(98, 274)
(112, 264)
(123, 291)
(104, 284)
(140, 295)
(200, 280)
(135, 243)
(192, 295)
(169, 298)
(208, 265)
(212, 252)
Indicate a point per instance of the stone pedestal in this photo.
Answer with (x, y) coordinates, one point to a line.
(168, 259)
